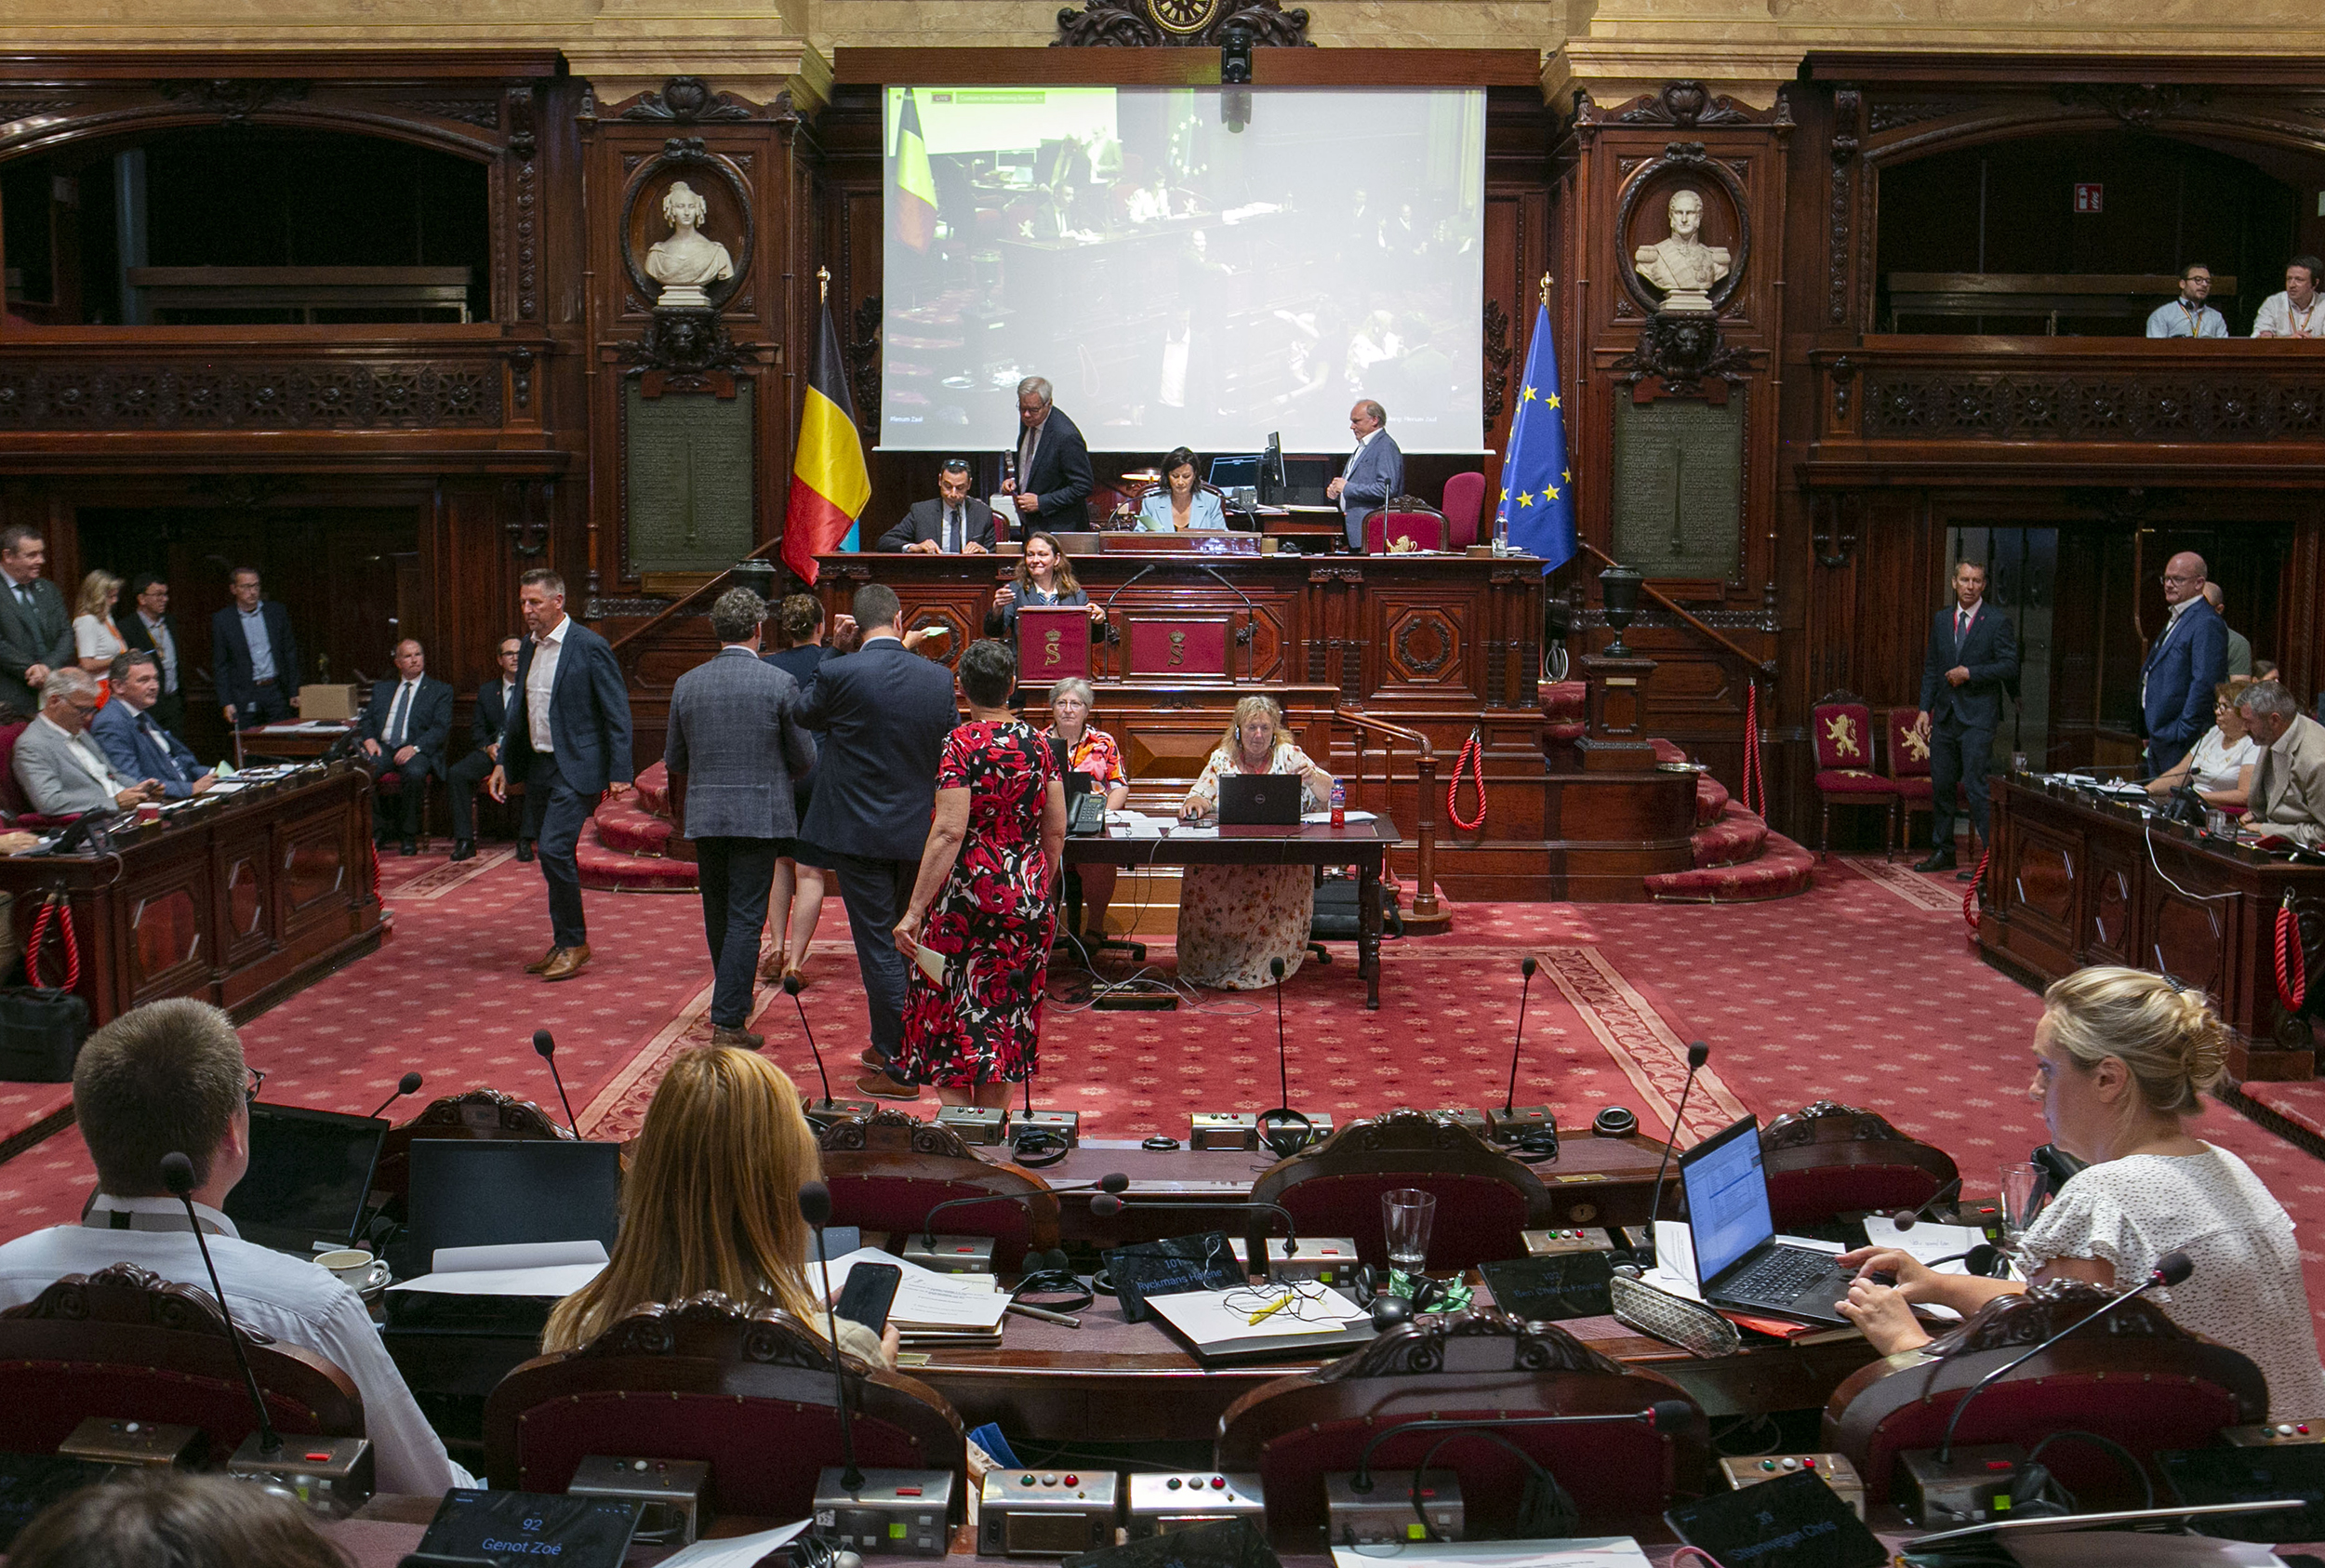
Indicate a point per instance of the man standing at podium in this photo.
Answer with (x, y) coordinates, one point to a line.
(1374, 472)
(1054, 479)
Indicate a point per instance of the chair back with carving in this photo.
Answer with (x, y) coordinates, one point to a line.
(887, 1170)
(126, 1344)
(748, 1391)
(1908, 748)
(1486, 1199)
(1483, 1363)
(1827, 1159)
(2141, 1380)
(480, 1115)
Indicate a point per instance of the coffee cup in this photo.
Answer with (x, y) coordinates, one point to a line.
(351, 1264)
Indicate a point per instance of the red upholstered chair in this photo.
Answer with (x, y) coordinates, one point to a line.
(1909, 770)
(1484, 1199)
(887, 1170)
(123, 1343)
(1465, 499)
(749, 1392)
(1478, 1364)
(1826, 1158)
(2145, 1382)
(1843, 726)
(13, 801)
(481, 1115)
(1384, 529)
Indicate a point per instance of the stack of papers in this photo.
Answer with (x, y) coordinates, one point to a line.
(934, 1309)
(1218, 1322)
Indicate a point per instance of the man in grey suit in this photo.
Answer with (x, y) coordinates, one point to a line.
(58, 762)
(2289, 784)
(35, 629)
(1374, 470)
(735, 745)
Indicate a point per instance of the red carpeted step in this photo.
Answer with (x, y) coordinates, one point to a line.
(1737, 837)
(624, 830)
(653, 790)
(1783, 870)
(1564, 707)
(611, 871)
(1711, 798)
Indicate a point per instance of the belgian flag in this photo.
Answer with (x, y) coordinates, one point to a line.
(829, 482)
(916, 187)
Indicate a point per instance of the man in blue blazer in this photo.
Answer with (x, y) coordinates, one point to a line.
(1973, 656)
(404, 729)
(125, 729)
(883, 713)
(254, 654)
(1374, 470)
(568, 738)
(2186, 660)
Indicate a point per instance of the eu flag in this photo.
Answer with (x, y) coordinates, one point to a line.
(1538, 501)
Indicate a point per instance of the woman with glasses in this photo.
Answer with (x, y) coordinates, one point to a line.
(2221, 764)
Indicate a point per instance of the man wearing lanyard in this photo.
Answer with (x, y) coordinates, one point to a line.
(1971, 659)
(2294, 313)
(403, 730)
(2188, 316)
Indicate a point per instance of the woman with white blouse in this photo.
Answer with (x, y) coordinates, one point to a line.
(2121, 1059)
(2220, 765)
(95, 637)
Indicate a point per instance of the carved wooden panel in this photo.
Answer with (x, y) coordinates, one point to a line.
(2042, 890)
(245, 905)
(314, 869)
(2108, 936)
(1423, 644)
(2188, 938)
(383, 395)
(166, 926)
(2100, 404)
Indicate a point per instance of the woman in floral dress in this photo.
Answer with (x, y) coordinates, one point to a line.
(986, 900)
(1233, 919)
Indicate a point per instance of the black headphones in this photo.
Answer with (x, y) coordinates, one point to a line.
(1284, 1132)
(1038, 1147)
(1049, 1277)
(1372, 1284)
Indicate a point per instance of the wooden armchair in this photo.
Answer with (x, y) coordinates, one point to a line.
(1481, 1364)
(887, 1170)
(2145, 1382)
(479, 1115)
(1486, 1199)
(125, 1343)
(1826, 1158)
(749, 1392)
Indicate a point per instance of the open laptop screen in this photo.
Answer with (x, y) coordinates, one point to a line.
(1727, 1198)
(310, 1171)
(496, 1193)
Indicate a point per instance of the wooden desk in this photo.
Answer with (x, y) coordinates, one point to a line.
(2075, 881)
(238, 900)
(1362, 845)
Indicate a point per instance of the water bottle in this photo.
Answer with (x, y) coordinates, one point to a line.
(1339, 803)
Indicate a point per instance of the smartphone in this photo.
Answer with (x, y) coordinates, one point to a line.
(870, 1291)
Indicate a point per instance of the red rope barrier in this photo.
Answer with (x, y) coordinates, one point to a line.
(1473, 753)
(54, 905)
(1755, 782)
(2293, 970)
(374, 845)
(1969, 895)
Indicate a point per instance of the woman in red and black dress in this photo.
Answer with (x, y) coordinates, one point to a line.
(986, 899)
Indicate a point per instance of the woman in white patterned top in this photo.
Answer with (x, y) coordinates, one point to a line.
(2121, 1059)
(2221, 764)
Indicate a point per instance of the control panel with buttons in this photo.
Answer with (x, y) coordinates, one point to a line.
(2275, 1434)
(1838, 1472)
(1160, 1504)
(1383, 1514)
(1567, 1238)
(895, 1513)
(1047, 1513)
(671, 1493)
(135, 1444)
(1327, 1259)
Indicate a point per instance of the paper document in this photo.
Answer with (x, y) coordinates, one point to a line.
(1926, 1243)
(932, 963)
(1188, 831)
(928, 1299)
(735, 1552)
(553, 1269)
(2120, 1549)
(1313, 817)
(1600, 1551)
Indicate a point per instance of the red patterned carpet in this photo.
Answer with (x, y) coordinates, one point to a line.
(1854, 992)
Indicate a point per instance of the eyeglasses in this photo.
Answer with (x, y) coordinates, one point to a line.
(84, 708)
(2169, 578)
(251, 1090)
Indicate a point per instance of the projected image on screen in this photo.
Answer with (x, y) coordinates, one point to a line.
(1178, 282)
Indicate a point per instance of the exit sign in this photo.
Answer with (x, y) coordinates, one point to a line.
(2090, 196)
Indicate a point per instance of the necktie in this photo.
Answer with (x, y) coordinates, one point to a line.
(395, 720)
(145, 723)
(1962, 627)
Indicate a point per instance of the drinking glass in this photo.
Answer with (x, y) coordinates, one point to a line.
(1407, 1215)
(2019, 1184)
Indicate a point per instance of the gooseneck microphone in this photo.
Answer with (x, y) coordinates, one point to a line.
(1510, 1096)
(407, 1085)
(1108, 1184)
(815, 1207)
(178, 1176)
(2171, 1269)
(792, 984)
(1697, 1054)
(1106, 1206)
(1905, 1219)
(547, 1048)
(1282, 1132)
(1664, 1415)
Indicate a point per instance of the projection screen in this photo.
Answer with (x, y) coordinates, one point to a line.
(1178, 281)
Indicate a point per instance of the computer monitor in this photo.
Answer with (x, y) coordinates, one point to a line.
(501, 1192)
(310, 1172)
(1728, 1213)
(1230, 473)
(1304, 481)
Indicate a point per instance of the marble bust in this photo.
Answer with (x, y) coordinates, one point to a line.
(1681, 267)
(688, 260)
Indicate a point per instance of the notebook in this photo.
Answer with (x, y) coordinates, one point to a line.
(1216, 1324)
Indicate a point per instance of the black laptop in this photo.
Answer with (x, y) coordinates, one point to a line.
(1259, 800)
(1739, 1262)
(310, 1172)
(501, 1193)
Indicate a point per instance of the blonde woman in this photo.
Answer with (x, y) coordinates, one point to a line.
(711, 1203)
(2121, 1059)
(95, 637)
(2221, 764)
(1233, 919)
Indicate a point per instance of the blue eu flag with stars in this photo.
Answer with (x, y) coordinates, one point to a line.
(1537, 499)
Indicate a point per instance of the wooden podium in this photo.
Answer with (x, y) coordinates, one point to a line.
(1053, 643)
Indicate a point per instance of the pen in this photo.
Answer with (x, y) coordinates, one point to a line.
(1044, 1314)
(1277, 1305)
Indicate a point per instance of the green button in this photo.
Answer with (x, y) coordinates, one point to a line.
(895, 1532)
(2002, 1503)
(1416, 1532)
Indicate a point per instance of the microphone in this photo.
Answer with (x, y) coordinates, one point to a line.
(830, 1109)
(178, 1176)
(1663, 1415)
(1282, 1132)
(1112, 1182)
(1534, 1123)
(1697, 1054)
(815, 1207)
(1905, 1219)
(547, 1048)
(407, 1085)
(1106, 1206)
(2171, 1269)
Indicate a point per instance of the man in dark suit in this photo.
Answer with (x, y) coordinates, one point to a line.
(954, 523)
(152, 627)
(2187, 661)
(883, 713)
(1973, 656)
(485, 724)
(125, 730)
(1054, 479)
(568, 737)
(254, 654)
(35, 630)
(403, 731)
(735, 746)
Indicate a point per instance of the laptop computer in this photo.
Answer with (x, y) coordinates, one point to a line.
(1259, 800)
(495, 1193)
(310, 1173)
(1739, 1263)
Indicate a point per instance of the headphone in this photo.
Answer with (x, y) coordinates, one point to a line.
(1038, 1147)
(1284, 1132)
(1372, 1285)
(1049, 1276)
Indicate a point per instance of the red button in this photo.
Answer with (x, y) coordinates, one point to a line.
(1074, 1480)
(2000, 1464)
(1218, 1480)
(319, 1458)
(908, 1491)
(1810, 1462)
(2302, 1428)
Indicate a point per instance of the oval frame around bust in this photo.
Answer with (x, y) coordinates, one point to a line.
(1682, 163)
(681, 157)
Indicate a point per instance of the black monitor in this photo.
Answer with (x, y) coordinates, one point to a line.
(498, 1194)
(310, 1172)
(1304, 481)
(1230, 473)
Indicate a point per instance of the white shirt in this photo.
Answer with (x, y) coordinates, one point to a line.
(295, 1302)
(262, 651)
(539, 681)
(400, 715)
(93, 638)
(165, 646)
(85, 751)
(2278, 318)
(2180, 319)
(2216, 766)
(2247, 1291)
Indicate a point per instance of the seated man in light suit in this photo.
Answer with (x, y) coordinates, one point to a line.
(954, 523)
(138, 747)
(58, 764)
(1374, 472)
(2288, 798)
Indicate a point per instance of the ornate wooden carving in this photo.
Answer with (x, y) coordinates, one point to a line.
(322, 395)
(687, 101)
(718, 1326)
(687, 154)
(2138, 105)
(1896, 116)
(234, 100)
(1684, 351)
(1808, 1124)
(890, 1130)
(2111, 406)
(1497, 356)
(122, 1292)
(1417, 1348)
(1179, 24)
(482, 113)
(2045, 1307)
(1847, 103)
(688, 343)
(525, 229)
(1685, 105)
(1689, 156)
(487, 1108)
(863, 354)
(1402, 1128)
